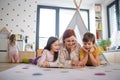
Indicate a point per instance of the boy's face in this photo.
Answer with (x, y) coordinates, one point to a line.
(88, 45)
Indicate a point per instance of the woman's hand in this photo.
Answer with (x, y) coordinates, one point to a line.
(73, 46)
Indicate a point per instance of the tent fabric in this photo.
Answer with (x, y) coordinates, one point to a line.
(77, 23)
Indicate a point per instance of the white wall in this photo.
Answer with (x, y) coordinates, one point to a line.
(19, 16)
(64, 3)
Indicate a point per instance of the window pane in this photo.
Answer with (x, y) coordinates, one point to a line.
(113, 20)
(47, 25)
(65, 18)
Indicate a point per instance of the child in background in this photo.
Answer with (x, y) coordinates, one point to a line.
(49, 57)
(13, 49)
(89, 53)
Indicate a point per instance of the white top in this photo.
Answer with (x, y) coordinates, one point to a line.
(13, 49)
(47, 56)
(65, 57)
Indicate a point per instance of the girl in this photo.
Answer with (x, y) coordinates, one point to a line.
(49, 56)
(13, 49)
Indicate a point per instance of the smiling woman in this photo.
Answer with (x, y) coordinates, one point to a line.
(69, 50)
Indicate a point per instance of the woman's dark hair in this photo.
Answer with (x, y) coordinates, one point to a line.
(48, 46)
(89, 37)
(68, 33)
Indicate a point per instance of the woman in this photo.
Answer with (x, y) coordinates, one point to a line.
(69, 50)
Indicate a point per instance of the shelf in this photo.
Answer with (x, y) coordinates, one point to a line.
(98, 21)
(98, 29)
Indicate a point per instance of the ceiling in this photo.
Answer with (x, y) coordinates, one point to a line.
(70, 3)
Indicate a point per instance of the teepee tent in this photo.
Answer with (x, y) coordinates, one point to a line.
(77, 23)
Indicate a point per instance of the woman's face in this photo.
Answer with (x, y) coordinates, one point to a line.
(55, 46)
(70, 42)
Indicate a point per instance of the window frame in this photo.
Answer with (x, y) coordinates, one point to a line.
(108, 18)
(117, 6)
(117, 2)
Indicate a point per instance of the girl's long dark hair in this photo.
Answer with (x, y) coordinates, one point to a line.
(48, 46)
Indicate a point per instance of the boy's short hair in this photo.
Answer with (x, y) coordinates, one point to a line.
(89, 37)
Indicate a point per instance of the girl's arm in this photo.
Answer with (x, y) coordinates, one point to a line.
(55, 63)
(42, 60)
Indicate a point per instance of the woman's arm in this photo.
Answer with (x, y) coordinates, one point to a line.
(62, 58)
(55, 63)
(75, 55)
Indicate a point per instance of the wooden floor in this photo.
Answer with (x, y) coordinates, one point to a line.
(5, 66)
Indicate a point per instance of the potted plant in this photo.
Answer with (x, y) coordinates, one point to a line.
(104, 43)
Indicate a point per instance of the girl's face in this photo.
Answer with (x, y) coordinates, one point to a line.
(88, 45)
(55, 46)
(70, 42)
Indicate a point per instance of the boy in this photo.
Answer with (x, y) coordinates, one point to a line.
(89, 53)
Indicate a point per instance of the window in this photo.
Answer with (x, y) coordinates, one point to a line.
(112, 19)
(52, 21)
(65, 17)
(47, 25)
